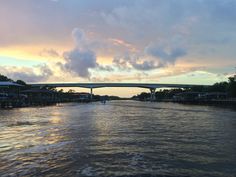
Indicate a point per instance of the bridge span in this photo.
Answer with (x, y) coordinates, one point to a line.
(151, 86)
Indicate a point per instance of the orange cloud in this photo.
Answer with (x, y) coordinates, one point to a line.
(119, 42)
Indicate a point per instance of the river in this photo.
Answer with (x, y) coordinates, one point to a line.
(120, 138)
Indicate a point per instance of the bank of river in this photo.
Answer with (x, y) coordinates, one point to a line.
(120, 138)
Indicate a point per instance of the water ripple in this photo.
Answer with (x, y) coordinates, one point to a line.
(121, 139)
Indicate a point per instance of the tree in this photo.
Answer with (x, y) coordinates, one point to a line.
(5, 78)
(71, 91)
(232, 87)
(25, 86)
(52, 89)
(219, 87)
(144, 96)
(198, 89)
(21, 82)
(60, 91)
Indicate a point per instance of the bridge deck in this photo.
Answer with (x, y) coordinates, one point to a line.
(100, 85)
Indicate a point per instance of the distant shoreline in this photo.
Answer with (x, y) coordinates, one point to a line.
(222, 103)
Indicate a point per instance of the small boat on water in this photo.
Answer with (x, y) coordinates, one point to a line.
(103, 101)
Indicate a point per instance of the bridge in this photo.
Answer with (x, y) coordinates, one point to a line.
(151, 86)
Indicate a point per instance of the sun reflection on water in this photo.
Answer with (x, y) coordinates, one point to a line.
(55, 120)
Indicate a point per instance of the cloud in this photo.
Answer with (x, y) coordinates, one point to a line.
(164, 54)
(80, 39)
(38, 73)
(164, 46)
(79, 60)
(105, 68)
(138, 62)
(146, 65)
(122, 43)
(141, 35)
(49, 53)
(122, 62)
(154, 77)
(155, 55)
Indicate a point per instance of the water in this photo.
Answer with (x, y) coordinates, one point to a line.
(121, 138)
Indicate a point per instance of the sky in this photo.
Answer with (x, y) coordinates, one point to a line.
(148, 41)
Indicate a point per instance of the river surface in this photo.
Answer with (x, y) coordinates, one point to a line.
(121, 138)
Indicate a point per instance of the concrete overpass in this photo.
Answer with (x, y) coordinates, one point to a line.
(151, 86)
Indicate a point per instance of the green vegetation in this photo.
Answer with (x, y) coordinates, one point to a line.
(5, 78)
(223, 87)
(228, 87)
(232, 87)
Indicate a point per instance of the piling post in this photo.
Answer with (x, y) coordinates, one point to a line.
(91, 94)
(153, 94)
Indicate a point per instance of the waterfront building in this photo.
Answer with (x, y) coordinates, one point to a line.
(213, 96)
(38, 96)
(9, 94)
(199, 96)
(187, 96)
(78, 96)
(9, 87)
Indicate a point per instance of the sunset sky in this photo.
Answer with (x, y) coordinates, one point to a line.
(161, 41)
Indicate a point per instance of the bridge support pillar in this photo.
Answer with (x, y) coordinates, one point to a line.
(91, 94)
(153, 94)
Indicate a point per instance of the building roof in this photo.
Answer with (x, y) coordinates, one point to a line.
(8, 83)
(38, 91)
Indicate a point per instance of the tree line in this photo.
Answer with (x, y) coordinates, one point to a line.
(228, 87)
(70, 92)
